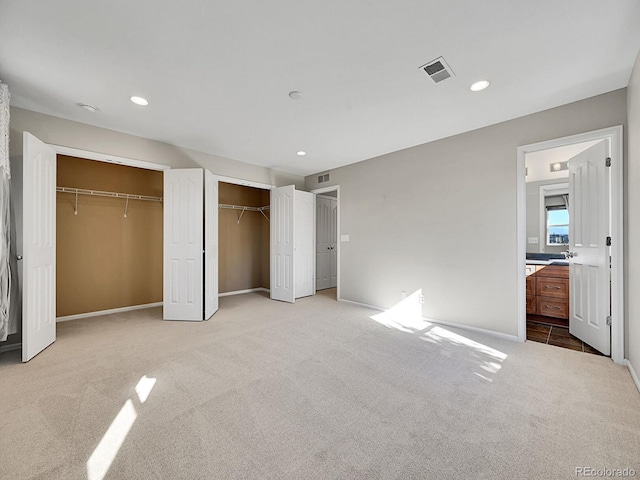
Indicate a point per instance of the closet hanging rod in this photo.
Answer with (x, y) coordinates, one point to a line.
(242, 207)
(245, 209)
(99, 193)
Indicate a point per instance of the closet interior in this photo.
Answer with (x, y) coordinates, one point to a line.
(244, 243)
(109, 236)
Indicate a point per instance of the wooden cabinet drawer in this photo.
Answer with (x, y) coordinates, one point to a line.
(552, 287)
(531, 304)
(531, 285)
(556, 271)
(552, 307)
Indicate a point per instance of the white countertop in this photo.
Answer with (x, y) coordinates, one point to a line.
(547, 262)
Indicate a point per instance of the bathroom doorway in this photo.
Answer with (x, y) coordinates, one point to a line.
(570, 242)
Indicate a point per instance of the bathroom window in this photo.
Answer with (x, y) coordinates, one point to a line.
(557, 225)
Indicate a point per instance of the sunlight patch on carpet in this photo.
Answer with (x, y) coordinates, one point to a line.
(105, 453)
(144, 387)
(406, 316)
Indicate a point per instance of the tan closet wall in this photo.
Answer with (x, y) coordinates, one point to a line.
(243, 247)
(104, 260)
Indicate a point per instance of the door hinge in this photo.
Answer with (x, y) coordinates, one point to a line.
(608, 319)
(608, 162)
(608, 241)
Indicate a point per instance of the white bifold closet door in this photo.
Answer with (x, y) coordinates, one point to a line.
(190, 224)
(304, 255)
(211, 244)
(292, 249)
(38, 247)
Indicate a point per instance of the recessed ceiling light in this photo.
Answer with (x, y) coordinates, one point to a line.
(87, 107)
(295, 95)
(481, 85)
(143, 102)
(301, 153)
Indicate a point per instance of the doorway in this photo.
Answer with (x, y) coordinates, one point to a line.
(548, 228)
(567, 209)
(327, 244)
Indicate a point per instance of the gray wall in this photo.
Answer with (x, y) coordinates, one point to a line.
(533, 216)
(441, 217)
(58, 131)
(633, 219)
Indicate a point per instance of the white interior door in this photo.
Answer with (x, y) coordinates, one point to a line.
(323, 243)
(38, 247)
(211, 244)
(304, 264)
(183, 244)
(282, 258)
(589, 274)
(333, 235)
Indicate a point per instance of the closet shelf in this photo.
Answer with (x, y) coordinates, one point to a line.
(242, 207)
(245, 209)
(98, 193)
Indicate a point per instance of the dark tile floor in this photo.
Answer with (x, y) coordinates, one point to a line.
(556, 335)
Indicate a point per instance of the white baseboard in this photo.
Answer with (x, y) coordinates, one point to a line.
(484, 331)
(633, 373)
(240, 292)
(8, 348)
(107, 312)
(360, 304)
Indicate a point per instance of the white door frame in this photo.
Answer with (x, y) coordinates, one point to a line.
(246, 183)
(104, 157)
(614, 136)
(333, 188)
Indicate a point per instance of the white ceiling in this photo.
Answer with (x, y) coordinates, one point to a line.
(217, 73)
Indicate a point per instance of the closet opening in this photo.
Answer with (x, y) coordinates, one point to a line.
(109, 238)
(243, 239)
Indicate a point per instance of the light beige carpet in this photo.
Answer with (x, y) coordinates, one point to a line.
(318, 389)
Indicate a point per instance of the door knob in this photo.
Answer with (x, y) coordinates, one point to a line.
(571, 254)
(19, 257)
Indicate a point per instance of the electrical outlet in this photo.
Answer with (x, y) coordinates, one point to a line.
(421, 298)
(533, 240)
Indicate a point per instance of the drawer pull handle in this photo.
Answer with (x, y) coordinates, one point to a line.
(552, 286)
(553, 306)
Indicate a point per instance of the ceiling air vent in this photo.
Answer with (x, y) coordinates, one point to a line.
(323, 178)
(438, 70)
